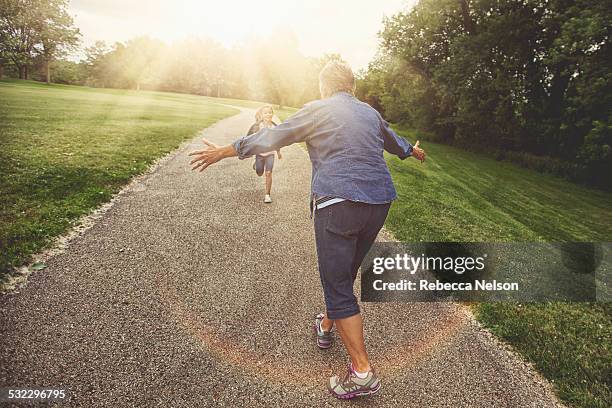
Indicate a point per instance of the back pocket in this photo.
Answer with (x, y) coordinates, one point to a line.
(346, 218)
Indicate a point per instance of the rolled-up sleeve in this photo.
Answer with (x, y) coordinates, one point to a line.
(395, 144)
(295, 129)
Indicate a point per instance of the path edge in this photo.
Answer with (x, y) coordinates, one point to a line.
(529, 369)
(17, 278)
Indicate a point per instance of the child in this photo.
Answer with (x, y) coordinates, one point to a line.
(264, 162)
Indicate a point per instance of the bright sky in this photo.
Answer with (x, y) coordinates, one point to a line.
(348, 27)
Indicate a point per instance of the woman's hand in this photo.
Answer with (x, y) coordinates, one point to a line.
(418, 153)
(210, 155)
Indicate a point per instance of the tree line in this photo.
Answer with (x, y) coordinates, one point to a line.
(34, 33)
(36, 36)
(526, 80)
(270, 69)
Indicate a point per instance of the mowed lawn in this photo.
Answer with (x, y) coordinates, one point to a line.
(64, 150)
(460, 196)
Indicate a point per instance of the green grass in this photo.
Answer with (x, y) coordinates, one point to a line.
(64, 150)
(568, 342)
(464, 197)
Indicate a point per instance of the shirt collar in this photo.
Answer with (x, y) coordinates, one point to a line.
(343, 93)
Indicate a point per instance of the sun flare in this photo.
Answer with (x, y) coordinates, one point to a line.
(342, 26)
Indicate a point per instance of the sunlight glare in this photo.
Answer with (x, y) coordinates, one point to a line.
(228, 21)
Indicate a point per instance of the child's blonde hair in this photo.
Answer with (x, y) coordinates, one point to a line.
(259, 113)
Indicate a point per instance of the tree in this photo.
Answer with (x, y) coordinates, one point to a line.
(31, 28)
(19, 32)
(2, 60)
(96, 58)
(139, 59)
(278, 66)
(58, 35)
(527, 76)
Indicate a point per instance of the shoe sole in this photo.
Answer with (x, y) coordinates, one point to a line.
(321, 346)
(356, 393)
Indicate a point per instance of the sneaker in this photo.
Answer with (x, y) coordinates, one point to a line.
(324, 339)
(267, 199)
(352, 386)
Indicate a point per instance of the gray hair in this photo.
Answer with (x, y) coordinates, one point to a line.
(336, 77)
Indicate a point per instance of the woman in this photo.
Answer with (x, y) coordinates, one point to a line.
(352, 191)
(264, 162)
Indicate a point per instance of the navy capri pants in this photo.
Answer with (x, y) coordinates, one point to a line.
(344, 233)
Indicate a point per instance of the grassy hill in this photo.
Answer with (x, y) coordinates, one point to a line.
(64, 150)
(464, 197)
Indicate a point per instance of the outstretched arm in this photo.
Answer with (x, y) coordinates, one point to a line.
(210, 155)
(294, 130)
(399, 146)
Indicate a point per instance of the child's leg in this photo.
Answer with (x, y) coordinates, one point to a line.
(268, 182)
(269, 165)
(259, 165)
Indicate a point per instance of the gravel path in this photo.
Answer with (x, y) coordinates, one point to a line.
(190, 292)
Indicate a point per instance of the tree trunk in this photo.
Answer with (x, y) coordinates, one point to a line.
(47, 72)
(22, 72)
(468, 23)
(26, 72)
(556, 106)
(1, 70)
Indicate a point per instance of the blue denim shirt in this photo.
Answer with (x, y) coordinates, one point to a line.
(345, 139)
